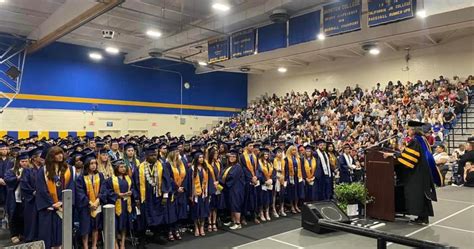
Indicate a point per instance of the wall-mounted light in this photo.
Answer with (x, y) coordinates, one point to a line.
(282, 69)
(221, 7)
(153, 33)
(112, 50)
(321, 36)
(95, 56)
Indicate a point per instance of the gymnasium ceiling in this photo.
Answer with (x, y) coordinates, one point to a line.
(186, 25)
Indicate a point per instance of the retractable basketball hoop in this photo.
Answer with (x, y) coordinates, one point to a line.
(12, 61)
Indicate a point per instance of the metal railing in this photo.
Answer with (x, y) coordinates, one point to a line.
(462, 125)
(381, 237)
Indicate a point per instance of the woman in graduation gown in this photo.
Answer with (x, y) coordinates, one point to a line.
(310, 170)
(14, 205)
(266, 176)
(294, 177)
(130, 158)
(104, 163)
(217, 199)
(28, 193)
(199, 190)
(118, 191)
(280, 183)
(232, 181)
(51, 180)
(88, 188)
(177, 204)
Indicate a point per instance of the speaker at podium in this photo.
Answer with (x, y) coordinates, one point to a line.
(313, 211)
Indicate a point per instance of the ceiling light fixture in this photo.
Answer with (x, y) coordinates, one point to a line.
(221, 7)
(95, 56)
(321, 36)
(282, 69)
(3, 1)
(421, 13)
(112, 50)
(153, 33)
(202, 63)
(374, 51)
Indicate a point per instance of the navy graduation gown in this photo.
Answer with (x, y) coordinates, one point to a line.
(266, 196)
(108, 196)
(324, 182)
(344, 170)
(294, 191)
(251, 193)
(199, 207)
(178, 208)
(87, 223)
(52, 236)
(12, 183)
(5, 165)
(217, 199)
(310, 190)
(30, 213)
(234, 185)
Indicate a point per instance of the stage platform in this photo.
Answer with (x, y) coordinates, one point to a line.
(453, 224)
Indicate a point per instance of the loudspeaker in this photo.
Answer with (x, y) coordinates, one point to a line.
(313, 211)
(13, 72)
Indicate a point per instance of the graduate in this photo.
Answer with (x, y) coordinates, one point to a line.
(177, 204)
(280, 184)
(51, 180)
(104, 163)
(294, 177)
(14, 204)
(199, 190)
(267, 177)
(118, 191)
(217, 198)
(345, 164)
(28, 193)
(249, 164)
(130, 158)
(233, 182)
(323, 173)
(6, 163)
(310, 170)
(152, 191)
(88, 206)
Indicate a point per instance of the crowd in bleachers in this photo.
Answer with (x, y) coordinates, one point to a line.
(261, 164)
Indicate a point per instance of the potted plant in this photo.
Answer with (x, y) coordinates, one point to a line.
(350, 195)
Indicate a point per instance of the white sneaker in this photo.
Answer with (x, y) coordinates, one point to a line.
(275, 214)
(235, 227)
(282, 213)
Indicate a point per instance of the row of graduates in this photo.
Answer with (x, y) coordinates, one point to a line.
(163, 191)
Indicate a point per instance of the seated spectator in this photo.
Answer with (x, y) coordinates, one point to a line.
(467, 157)
(441, 158)
(469, 175)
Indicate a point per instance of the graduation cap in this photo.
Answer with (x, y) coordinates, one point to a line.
(103, 151)
(309, 147)
(118, 162)
(15, 149)
(150, 150)
(36, 151)
(114, 141)
(233, 152)
(99, 144)
(86, 158)
(197, 146)
(87, 151)
(247, 142)
(277, 149)
(264, 150)
(195, 154)
(23, 155)
(413, 123)
(128, 145)
(319, 141)
(45, 151)
(161, 145)
(3, 144)
(257, 145)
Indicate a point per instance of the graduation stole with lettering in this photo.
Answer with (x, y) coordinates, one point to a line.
(310, 169)
(281, 161)
(178, 175)
(291, 168)
(266, 169)
(156, 171)
(52, 184)
(118, 202)
(92, 188)
(248, 163)
(200, 189)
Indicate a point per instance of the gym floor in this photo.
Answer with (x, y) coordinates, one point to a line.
(453, 224)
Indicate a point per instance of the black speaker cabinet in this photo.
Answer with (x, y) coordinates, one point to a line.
(313, 211)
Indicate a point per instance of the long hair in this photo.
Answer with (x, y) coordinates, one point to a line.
(106, 168)
(210, 155)
(195, 166)
(16, 167)
(50, 163)
(289, 150)
(172, 158)
(128, 161)
(88, 164)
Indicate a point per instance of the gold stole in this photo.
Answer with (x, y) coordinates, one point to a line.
(53, 192)
(118, 202)
(130, 171)
(267, 171)
(179, 176)
(282, 165)
(226, 172)
(92, 191)
(292, 170)
(198, 188)
(141, 175)
(248, 163)
(310, 169)
(211, 169)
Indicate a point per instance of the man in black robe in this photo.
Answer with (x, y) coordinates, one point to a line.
(414, 176)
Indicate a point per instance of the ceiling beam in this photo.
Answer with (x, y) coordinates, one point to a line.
(431, 39)
(70, 16)
(446, 37)
(391, 46)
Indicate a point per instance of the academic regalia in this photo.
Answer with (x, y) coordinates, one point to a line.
(344, 168)
(87, 188)
(217, 199)
(177, 202)
(199, 192)
(266, 172)
(14, 203)
(5, 165)
(232, 180)
(123, 206)
(279, 167)
(152, 206)
(249, 165)
(415, 179)
(323, 177)
(48, 217)
(295, 187)
(30, 214)
(310, 184)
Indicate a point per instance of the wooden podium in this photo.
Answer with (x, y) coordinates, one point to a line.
(381, 185)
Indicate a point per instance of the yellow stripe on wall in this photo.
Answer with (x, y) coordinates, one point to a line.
(43, 134)
(81, 133)
(23, 134)
(2, 133)
(63, 134)
(39, 97)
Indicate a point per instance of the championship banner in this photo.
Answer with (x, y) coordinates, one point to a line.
(342, 16)
(387, 11)
(218, 50)
(243, 43)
